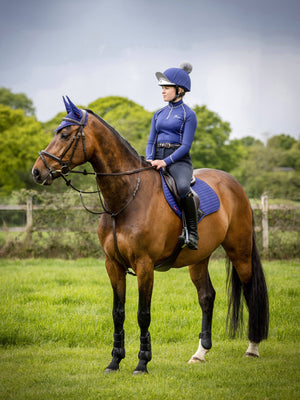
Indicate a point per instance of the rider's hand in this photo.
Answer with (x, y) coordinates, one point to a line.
(158, 163)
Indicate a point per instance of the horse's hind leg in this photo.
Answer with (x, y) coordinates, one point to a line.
(247, 275)
(118, 281)
(206, 296)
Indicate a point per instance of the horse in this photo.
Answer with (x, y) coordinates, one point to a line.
(138, 231)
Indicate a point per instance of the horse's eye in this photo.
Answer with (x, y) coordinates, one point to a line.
(65, 135)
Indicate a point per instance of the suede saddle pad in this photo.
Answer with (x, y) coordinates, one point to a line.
(209, 201)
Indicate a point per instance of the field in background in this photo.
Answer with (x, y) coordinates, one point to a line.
(56, 336)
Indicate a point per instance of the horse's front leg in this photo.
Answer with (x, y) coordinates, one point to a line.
(118, 281)
(145, 276)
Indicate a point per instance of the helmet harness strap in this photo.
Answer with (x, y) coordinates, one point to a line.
(178, 95)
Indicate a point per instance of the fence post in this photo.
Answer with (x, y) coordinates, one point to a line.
(265, 224)
(28, 213)
(29, 220)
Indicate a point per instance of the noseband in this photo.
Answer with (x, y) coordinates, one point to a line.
(65, 165)
(65, 169)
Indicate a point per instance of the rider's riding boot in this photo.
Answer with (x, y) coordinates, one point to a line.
(190, 212)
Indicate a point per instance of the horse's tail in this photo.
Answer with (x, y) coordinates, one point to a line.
(234, 321)
(256, 295)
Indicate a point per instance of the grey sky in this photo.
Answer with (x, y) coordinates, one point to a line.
(245, 54)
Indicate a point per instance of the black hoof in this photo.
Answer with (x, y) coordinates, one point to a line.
(109, 370)
(139, 372)
(112, 367)
(141, 368)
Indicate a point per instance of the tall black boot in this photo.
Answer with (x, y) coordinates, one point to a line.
(190, 212)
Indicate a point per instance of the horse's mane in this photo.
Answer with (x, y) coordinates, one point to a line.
(116, 133)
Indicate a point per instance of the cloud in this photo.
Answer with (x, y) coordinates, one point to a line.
(245, 55)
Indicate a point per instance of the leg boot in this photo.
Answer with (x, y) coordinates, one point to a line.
(190, 212)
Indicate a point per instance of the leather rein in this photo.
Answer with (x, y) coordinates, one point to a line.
(65, 170)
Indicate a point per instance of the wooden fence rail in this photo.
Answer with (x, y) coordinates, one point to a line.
(29, 207)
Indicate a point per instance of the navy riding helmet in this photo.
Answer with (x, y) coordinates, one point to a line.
(176, 77)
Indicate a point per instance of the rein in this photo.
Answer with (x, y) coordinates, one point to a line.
(65, 170)
(84, 172)
(106, 211)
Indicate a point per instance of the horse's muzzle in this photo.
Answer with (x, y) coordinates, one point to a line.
(40, 178)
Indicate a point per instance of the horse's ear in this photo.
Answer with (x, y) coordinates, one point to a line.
(68, 108)
(76, 111)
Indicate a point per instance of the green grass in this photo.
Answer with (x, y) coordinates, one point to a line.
(56, 336)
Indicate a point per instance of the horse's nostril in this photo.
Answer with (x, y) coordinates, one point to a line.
(36, 172)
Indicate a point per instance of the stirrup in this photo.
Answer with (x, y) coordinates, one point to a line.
(186, 238)
(193, 245)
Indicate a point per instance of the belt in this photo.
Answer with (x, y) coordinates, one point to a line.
(168, 145)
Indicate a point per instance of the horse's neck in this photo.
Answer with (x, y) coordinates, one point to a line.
(112, 156)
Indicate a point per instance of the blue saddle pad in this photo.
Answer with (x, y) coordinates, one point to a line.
(209, 201)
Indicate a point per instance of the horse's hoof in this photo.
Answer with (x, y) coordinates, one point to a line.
(195, 360)
(251, 355)
(139, 372)
(252, 350)
(109, 370)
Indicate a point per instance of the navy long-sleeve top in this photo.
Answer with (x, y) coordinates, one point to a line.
(175, 123)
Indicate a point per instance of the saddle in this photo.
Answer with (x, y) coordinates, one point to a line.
(170, 182)
(210, 203)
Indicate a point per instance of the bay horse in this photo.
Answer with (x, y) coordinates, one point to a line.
(139, 230)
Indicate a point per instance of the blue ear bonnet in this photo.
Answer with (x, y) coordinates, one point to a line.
(74, 113)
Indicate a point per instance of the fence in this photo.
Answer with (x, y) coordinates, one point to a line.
(29, 207)
(264, 206)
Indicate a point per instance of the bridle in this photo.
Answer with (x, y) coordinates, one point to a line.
(65, 170)
(65, 165)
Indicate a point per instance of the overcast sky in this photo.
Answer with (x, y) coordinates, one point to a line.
(245, 55)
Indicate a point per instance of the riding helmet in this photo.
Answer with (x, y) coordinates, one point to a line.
(176, 77)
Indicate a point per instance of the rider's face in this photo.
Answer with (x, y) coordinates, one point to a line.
(168, 93)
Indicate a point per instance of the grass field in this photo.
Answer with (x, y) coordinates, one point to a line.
(56, 336)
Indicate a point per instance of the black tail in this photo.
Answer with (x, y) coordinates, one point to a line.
(256, 295)
(234, 321)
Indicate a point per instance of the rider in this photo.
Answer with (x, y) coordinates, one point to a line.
(172, 132)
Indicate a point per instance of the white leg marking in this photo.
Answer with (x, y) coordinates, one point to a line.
(199, 356)
(252, 350)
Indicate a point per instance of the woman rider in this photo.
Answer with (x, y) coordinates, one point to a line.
(171, 135)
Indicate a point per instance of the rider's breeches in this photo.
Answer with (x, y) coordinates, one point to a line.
(182, 170)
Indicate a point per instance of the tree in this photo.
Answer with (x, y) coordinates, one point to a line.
(283, 142)
(21, 139)
(212, 147)
(273, 170)
(249, 141)
(16, 101)
(130, 119)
